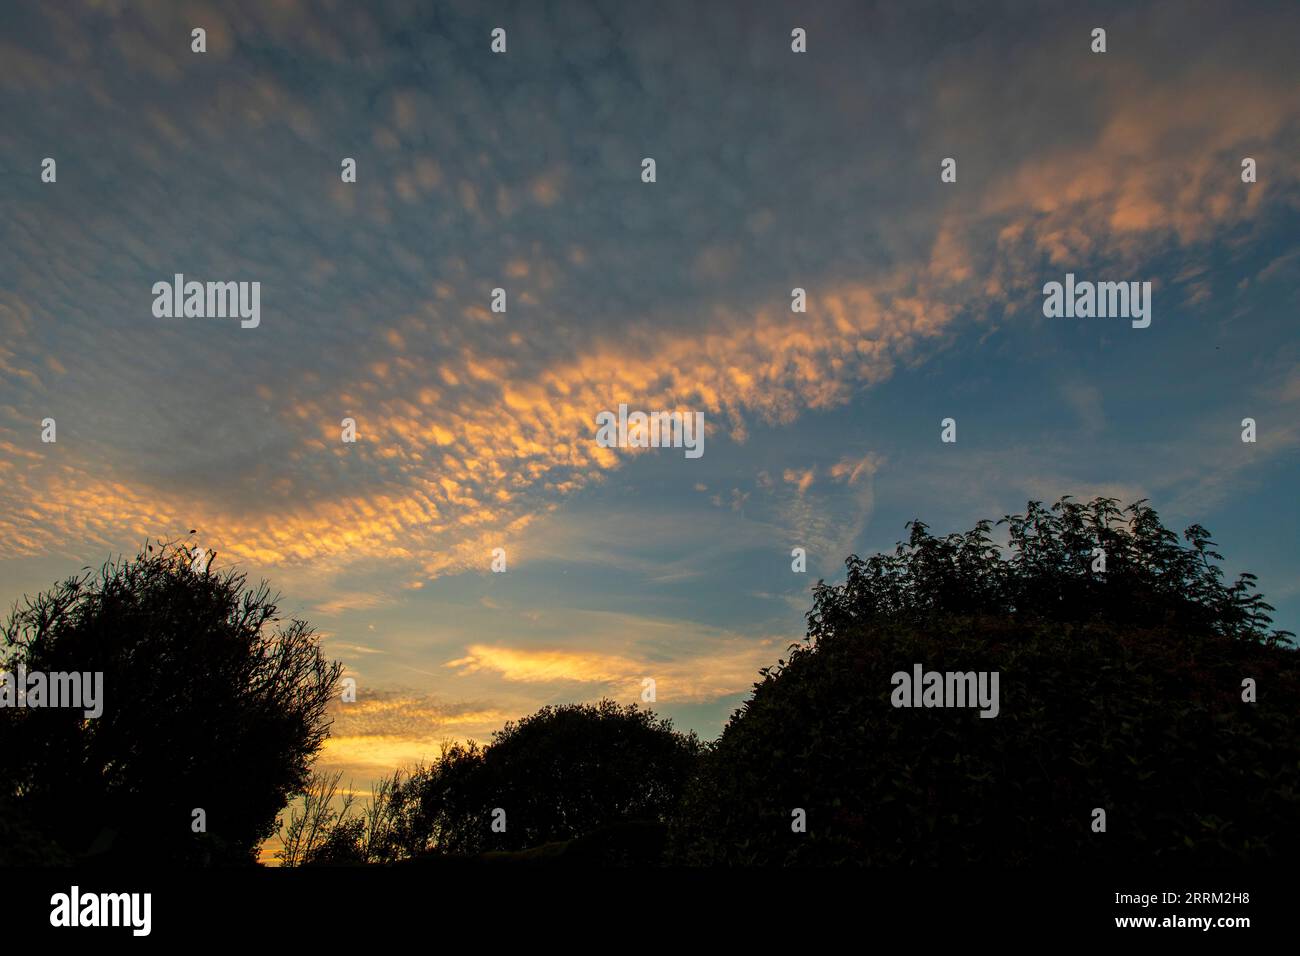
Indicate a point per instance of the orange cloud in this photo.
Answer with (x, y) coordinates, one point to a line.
(463, 456)
(731, 667)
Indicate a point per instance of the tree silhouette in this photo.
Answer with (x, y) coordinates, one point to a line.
(602, 777)
(321, 825)
(208, 704)
(569, 770)
(1121, 689)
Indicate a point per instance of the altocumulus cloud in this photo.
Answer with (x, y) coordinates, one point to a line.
(471, 423)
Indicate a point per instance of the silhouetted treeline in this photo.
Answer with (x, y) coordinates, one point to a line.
(1121, 690)
(1134, 683)
(1123, 659)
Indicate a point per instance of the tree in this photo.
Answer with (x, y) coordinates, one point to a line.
(568, 770)
(326, 828)
(320, 825)
(209, 703)
(603, 777)
(1121, 689)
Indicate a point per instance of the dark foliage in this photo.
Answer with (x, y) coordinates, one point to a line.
(568, 770)
(21, 844)
(587, 782)
(208, 703)
(1119, 689)
(1150, 579)
(633, 843)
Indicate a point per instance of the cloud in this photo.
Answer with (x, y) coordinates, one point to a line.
(543, 666)
(850, 470)
(473, 423)
(1086, 403)
(801, 478)
(353, 601)
(727, 669)
(385, 729)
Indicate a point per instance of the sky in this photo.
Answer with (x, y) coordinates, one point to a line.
(522, 170)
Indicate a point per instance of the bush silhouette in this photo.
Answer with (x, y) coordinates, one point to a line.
(208, 703)
(579, 783)
(570, 770)
(21, 844)
(1120, 689)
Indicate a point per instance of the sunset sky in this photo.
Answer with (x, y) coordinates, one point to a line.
(475, 429)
